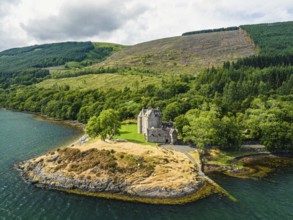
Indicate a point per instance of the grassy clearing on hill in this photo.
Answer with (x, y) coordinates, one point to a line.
(129, 132)
(102, 81)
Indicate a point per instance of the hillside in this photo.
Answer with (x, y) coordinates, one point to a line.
(184, 54)
(56, 54)
(29, 65)
(177, 55)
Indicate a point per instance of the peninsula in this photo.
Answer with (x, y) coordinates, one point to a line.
(125, 171)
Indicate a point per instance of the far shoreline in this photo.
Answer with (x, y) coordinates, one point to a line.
(38, 116)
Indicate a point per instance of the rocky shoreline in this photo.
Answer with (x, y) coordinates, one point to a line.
(253, 166)
(62, 182)
(143, 179)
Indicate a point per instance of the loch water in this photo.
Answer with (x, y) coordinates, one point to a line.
(23, 137)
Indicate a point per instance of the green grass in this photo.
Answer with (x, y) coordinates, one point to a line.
(223, 158)
(102, 81)
(129, 133)
(226, 158)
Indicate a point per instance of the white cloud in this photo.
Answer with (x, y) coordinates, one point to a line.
(78, 21)
(25, 22)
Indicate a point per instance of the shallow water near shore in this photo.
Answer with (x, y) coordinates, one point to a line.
(22, 137)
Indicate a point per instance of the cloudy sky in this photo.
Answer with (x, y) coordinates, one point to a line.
(28, 22)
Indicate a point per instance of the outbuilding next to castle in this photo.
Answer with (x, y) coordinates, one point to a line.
(150, 124)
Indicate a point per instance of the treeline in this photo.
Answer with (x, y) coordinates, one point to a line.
(23, 77)
(85, 71)
(272, 39)
(211, 30)
(71, 73)
(64, 103)
(261, 61)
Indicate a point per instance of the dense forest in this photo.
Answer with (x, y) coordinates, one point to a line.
(245, 101)
(28, 65)
(43, 55)
(273, 38)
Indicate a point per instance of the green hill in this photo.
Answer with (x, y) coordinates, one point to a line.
(50, 55)
(29, 65)
(43, 55)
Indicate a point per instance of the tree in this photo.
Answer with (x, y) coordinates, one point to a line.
(172, 111)
(105, 125)
(180, 122)
(271, 123)
(277, 136)
(206, 128)
(228, 133)
(202, 127)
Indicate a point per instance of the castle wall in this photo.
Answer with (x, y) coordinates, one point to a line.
(139, 124)
(158, 135)
(154, 121)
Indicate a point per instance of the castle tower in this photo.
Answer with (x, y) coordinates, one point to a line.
(149, 123)
(149, 118)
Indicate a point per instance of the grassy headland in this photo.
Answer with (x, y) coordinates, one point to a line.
(126, 171)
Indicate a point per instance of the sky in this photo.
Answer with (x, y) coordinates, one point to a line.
(30, 22)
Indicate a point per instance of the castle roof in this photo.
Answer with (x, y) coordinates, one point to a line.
(156, 112)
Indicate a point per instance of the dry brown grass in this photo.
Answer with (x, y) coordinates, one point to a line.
(139, 165)
(185, 54)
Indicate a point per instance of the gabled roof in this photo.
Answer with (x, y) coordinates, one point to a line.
(156, 112)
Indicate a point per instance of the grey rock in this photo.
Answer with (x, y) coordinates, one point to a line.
(35, 173)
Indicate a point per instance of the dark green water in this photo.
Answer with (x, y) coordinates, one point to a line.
(22, 137)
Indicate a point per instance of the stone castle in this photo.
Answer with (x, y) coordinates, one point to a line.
(150, 124)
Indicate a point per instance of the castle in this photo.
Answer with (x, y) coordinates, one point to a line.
(150, 124)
